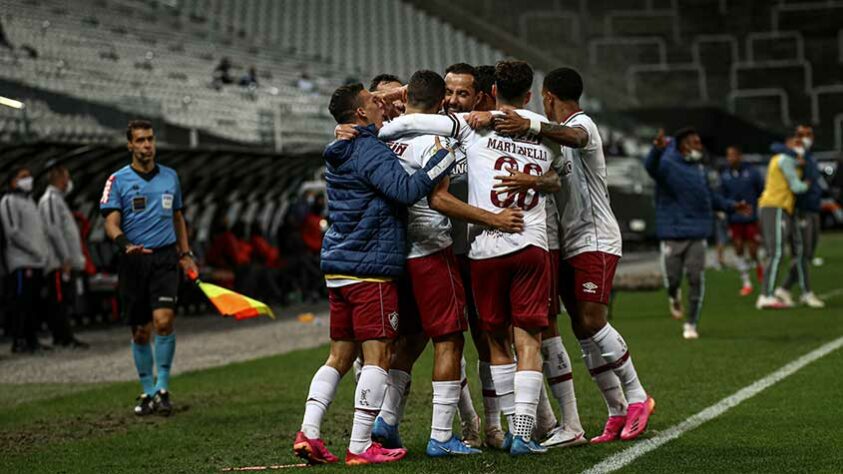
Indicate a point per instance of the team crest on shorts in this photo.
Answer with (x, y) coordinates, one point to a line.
(393, 320)
(589, 287)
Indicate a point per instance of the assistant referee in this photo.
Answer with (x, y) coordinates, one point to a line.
(142, 206)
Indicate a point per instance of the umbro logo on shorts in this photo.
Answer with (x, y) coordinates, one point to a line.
(393, 320)
(589, 287)
(166, 299)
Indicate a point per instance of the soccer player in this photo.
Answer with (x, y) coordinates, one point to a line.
(807, 215)
(776, 209)
(362, 253)
(684, 218)
(591, 248)
(432, 298)
(384, 83)
(510, 272)
(142, 206)
(742, 182)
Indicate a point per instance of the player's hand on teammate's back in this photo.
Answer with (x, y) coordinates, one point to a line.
(515, 181)
(510, 123)
(743, 208)
(132, 249)
(479, 119)
(660, 141)
(345, 131)
(439, 146)
(510, 220)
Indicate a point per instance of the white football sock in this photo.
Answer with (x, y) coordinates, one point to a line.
(323, 387)
(743, 268)
(544, 411)
(504, 379)
(491, 407)
(528, 386)
(606, 380)
(615, 352)
(357, 366)
(395, 400)
(446, 395)
(368, 399)
(557, 368)
(466, 406)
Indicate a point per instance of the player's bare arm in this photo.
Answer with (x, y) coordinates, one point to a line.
(509, 220)
(512, 124)
(516, 182)
(186, 261)
(115, 233)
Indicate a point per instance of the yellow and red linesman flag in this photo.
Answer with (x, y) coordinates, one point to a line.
(230, 303)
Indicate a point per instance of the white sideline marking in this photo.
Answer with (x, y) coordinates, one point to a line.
(831, 294)
(623, 458)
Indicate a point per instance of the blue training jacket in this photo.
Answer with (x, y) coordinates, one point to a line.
(810, 200)
(743, 184)
(368, 194)
(684, 200)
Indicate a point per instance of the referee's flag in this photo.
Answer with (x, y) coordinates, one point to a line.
(230, 303)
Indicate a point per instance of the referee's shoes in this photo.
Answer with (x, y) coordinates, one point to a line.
(159, 403)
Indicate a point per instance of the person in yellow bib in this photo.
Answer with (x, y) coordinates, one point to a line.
(775, 211)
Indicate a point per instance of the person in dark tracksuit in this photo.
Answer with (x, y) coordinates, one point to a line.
(806, 217)
(684, 218)
(142, 205)
(26, 254)
(65, 256)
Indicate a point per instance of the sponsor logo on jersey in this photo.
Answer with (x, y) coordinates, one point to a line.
(589, 287)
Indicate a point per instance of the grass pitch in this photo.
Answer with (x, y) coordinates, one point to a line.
(246, 414)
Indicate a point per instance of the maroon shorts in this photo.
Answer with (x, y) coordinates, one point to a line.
(512, 289)
(432, 298)
(555, 258)
(744, 231)
(364, 311)
(465, 272)
(587, 277)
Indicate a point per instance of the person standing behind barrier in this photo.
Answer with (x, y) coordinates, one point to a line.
(684, 218)
(741, 182)
(776, 208)
(26, 254)
(807, 218)
(65, 255)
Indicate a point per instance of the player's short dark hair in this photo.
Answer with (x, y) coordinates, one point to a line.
(513, 79)
(137, 125)
(381, 78)
(426, 89)
(344, 102)
(463, 68)
(13, 173)
(684, 133)
(484, 79)
(565, 83)
(736, 147)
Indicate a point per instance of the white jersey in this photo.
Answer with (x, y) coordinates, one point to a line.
(552, 211)
(488, 155)
(428, 231)
(587, 221)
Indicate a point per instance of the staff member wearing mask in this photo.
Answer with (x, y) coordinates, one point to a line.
(26, 254)
(684, 218)
(65, 254)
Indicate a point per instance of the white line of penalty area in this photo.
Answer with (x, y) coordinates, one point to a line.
(627, 456)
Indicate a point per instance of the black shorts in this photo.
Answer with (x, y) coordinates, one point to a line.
(148, 282)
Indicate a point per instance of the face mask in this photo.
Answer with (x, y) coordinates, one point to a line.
(69, 187)
(807, 142)
(25, 184)
(694, 155)
(800, 150)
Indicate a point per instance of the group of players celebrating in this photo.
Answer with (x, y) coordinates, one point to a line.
(452, 208)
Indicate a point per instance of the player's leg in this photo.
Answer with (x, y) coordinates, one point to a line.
(801, 257)
(557, 369)
(375, 324)
(695, 269)
(672, 269)
(470, 421)
(592, 326)
(739, 243)
(144, 364)
(137, 313)
(775, 231)
(164, 280)
(753, 238)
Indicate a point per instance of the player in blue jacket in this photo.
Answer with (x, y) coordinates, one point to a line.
(740, 181)
(684, 218)
(362, 254)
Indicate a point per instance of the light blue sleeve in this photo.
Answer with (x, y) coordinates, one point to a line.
(111, 198)
(178, 204)
(788, 166)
